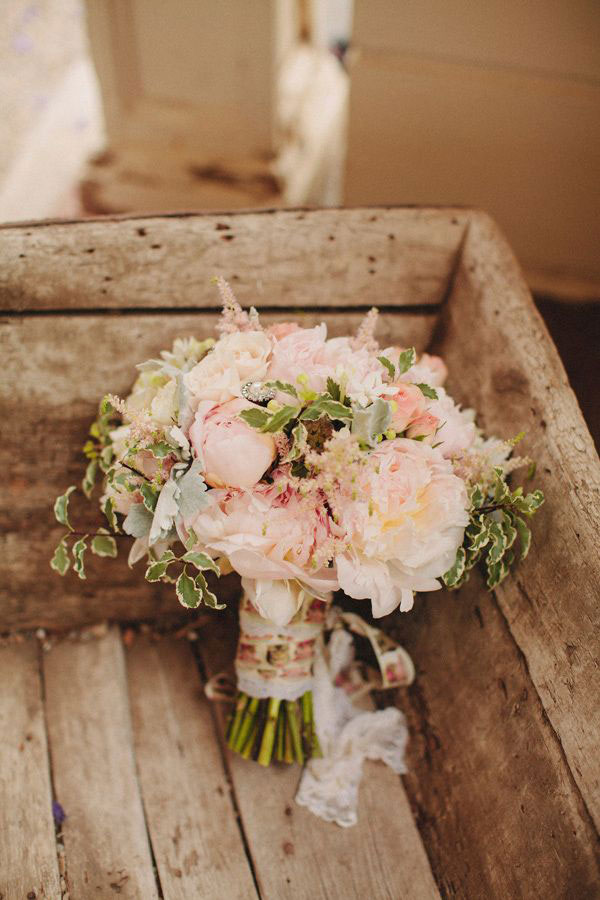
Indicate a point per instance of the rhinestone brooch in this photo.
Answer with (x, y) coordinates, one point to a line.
(257, 392)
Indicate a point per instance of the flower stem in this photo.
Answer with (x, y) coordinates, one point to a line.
(248, 721)
(268, 737)
(294, 729)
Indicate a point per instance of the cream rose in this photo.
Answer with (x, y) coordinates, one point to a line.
(236, 358)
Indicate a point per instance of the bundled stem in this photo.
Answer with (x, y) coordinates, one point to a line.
(271, 729)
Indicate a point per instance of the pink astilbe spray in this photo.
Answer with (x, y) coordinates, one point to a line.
(233, 317)
(365, 336)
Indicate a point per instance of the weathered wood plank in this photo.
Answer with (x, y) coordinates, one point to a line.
(295, 854)
(494, 798)
(63, 365)
(515, 377)
(192, 822)
(106, 844)
(28, 861)
(283, 258)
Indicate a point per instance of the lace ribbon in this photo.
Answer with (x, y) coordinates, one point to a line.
(348, 735)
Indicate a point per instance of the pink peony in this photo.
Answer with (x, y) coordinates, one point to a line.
(233, 454)
(457, 429)
(297, 354)
(266, 534)
(281, 330)
(404, 521)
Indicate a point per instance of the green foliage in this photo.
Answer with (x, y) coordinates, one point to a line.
(495, 526)
(78, 551)
(157, 570)
(160, 449)
(334, 389)
(149, 494)
(406, 359)
(284, 386)
(61, 562)
(255, 417)
(109, 511)
(428, 391)
(191, 592)
(61, 507)
(89, 480)
(325, 405)
(280, 419)
(391, 368)
(104, 545)
(201, 561)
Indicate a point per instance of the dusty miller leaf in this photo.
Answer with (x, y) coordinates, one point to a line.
(370, 422)
(192, 491)
(138, 521)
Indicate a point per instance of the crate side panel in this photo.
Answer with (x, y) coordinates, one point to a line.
(360, 257)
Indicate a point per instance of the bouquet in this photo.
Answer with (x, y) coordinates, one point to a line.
(307, 465)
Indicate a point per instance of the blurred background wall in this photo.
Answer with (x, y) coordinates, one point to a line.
(114, 106)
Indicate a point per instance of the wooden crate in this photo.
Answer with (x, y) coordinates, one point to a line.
(502, 798)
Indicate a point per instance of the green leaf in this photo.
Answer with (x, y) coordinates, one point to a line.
(187, 592)
(324, 405)
(79, 548)
(106, 406)
(529, 504)
(282, 386)
(208, 597)
(201, 561)
(388, 365)
(455, 573)
(428, 391)
(280, 419)
(61, 507)
(106, 457)
(498, 543)
(497, 572)
(104, 545)
(477, 533)
(160, 449)
(255, 417)
(334, 389)
(477, 497)
(406, 359)
(156, 570)
(510, 532)
(109, 511)
(524, 533)
(89, 481)
(149, 495)
(60, 562)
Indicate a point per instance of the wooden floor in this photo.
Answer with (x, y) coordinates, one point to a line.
(124, 739)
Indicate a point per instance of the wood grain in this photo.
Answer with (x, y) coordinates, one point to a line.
(382, 856)
(191, 820)
(516, 379)
(287, 258)
(107, 849)
(28, 861)
(63, 365)
(495, 801)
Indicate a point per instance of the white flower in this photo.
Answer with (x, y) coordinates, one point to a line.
(163, 408)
